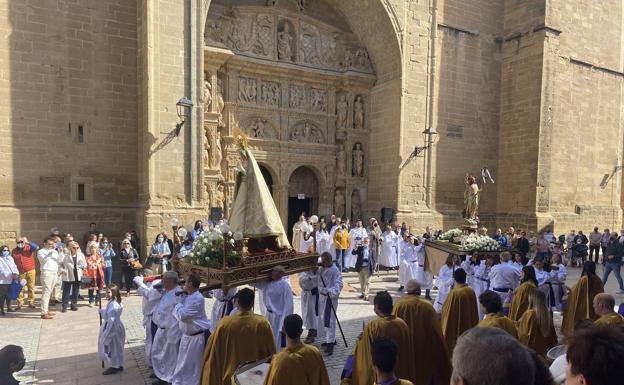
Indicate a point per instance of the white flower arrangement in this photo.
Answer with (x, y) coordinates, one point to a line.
(208, 250)
(449, 235)
(475, 242)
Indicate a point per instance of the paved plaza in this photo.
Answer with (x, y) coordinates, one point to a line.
(63, 351)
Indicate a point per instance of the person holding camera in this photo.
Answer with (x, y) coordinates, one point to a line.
(363, 266)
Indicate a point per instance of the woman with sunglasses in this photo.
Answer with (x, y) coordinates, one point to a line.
(72, 267)
(8, 272)
(107, 252)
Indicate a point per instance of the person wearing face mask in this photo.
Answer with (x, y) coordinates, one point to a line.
(160, 253)
(197, 230)
(129, 258)
(8, 272)
(24, 256)
(11, 361)
(107, 252)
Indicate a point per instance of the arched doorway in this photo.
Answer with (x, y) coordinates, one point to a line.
(303, 195)
(266, 174)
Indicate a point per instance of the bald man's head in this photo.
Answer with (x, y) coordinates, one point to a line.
(604, 304)
(413, 287)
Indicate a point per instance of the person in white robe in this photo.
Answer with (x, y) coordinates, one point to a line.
(478, 277)
(332, 245)
(445, 283)
(278, 301)
(388, 254)
(190, 313)
(408, 261)
(323, 240)
(223, 306)
(298, 231)
(112, 332)
(167, 338)
(356, 235)
(151, 298)
(308, 281)
(543, 279)
(424, 277)
(558, 275)
(306, 245)
(330, 286)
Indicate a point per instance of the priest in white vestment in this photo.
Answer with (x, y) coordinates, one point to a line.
(408, 264)
(112, 332)
(444, 282)
(190, 313)
(223, 306)
(356, 235)
(388, 255)
(330, 286)
(167, 337)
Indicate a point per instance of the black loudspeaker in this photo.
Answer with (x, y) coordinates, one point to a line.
(386, 214)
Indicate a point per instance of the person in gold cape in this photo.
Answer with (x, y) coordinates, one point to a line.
(520, 300)
(603, 307)
(386, 325)
(459, 312)
(535, 328)
(492, 307)
(580, 299)
(298, 363)
(239, 338)
(426, 341)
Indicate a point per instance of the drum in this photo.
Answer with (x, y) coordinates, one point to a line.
(252, 373)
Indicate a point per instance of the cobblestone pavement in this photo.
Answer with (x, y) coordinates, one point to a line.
(63, 350)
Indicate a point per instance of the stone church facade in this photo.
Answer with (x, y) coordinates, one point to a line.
(333, 97)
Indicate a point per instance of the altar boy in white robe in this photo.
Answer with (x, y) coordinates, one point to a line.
(223, 306)
(151, 298)
(308, 281)
(330, 286)
(408, 264)
(194, 325)
(167, 338)
(277, 298)
(112, 332)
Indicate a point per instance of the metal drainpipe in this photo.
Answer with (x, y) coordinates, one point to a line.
(432, 102)
(189, 132)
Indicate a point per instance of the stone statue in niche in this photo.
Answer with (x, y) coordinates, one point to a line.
(362, 59)
(302, 4)
(207, 94)
(247, 90)
(217, 154)
(358, 112)
(356, 206)
(270, 93)
(220, 104)
(219, 199)
(341, 162)
(342, 108)
(297, 97)
(319, 100)
(339, 203)
(285, 43)
(258, 128)
(358, 160)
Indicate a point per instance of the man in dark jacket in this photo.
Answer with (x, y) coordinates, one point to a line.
(613, 262)
(363, 266)
(523, 244)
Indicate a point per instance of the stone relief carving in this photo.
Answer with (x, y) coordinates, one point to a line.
(297, 97)
(219, 197)
(245, 31)
(306, 133)
(341, 162)
(358, 113)
(318, 100)
(270, 95)
(339, 203)
(342, 109)
(247, 90)
(358, 160)
(261, 129)
(220, 104)
(356, 206)
(285, 41)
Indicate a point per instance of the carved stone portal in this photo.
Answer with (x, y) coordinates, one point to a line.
(306, 132)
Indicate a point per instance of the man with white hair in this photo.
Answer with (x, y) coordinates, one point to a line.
(151, 298)
(167, 338)
(277, 298)
(504, 277)
(502, 360)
